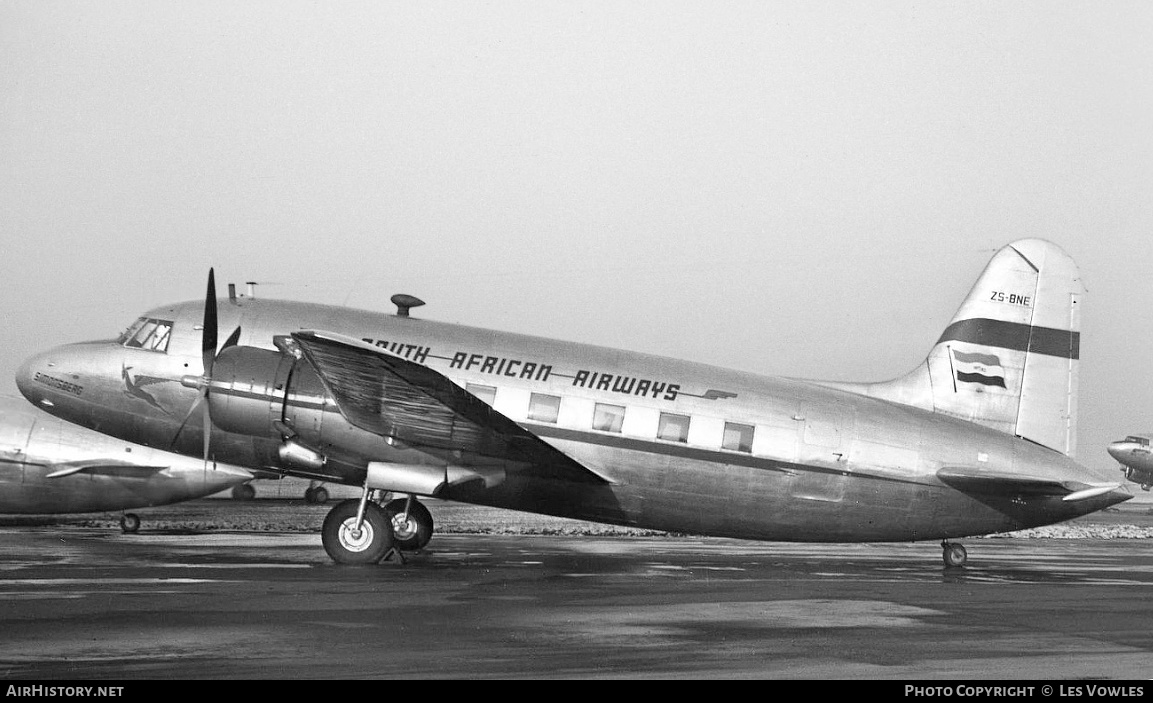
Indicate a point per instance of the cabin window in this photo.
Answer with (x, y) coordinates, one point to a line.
(543, 407)
(674, 428)
(485, 393)
(148, 333)
(738, 437)
(608, 418)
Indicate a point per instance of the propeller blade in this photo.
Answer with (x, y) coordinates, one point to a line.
(207, 430)
(200, 398)
(208, 356)
(233, 339)
(208, 344)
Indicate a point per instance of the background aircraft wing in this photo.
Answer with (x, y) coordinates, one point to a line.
(1006, 485)
(409, 402)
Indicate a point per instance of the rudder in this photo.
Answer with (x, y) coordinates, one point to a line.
(1009, 358)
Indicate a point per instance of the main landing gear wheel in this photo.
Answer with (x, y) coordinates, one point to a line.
(348, 545)
(130, 523)
(954, 554)
(411, 525)
(316, 496)
(244, 491)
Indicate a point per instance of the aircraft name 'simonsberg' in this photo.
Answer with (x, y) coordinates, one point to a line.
(59, 384)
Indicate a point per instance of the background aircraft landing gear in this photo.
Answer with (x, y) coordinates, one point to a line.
(130, 523)
(244, 491)
(411, 523)
(954, 554)
(348, 545)
(316, 495)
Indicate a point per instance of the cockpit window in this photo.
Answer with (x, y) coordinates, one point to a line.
(1143, 441)
(132, 329)
(148, 333)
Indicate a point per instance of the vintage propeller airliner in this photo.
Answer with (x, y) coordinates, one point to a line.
(1135, 455)
(52, 467)
(977, 439)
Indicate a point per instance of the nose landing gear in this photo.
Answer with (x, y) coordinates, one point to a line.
(953, 554)
(130, 523)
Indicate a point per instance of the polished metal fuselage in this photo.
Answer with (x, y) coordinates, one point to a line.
(825, 464)
(50, 466)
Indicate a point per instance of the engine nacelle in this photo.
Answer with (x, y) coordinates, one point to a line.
(248, 390)
(274, 395)
(1145, 478)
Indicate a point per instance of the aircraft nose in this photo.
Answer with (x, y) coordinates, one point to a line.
(1116, 449)
(25, 374)
(39, 378)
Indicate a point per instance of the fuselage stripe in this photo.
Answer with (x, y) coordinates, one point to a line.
(684, 452)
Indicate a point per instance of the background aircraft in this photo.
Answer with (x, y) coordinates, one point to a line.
(976, 439)
(1136, 457)
(49, 466)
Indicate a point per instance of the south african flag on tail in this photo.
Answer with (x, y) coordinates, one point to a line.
(974, 367)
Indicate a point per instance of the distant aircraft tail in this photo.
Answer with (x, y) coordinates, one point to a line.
(1009, 359)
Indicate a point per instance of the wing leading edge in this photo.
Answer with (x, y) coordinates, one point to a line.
(411, 403)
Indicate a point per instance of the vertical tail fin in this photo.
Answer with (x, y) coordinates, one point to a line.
(1009, 359)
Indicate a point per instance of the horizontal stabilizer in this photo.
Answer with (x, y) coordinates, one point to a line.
(1091, 492)
(988, 483)
(413, 404)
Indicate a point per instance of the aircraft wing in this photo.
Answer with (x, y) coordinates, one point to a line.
(417, 406)
(1007, 485)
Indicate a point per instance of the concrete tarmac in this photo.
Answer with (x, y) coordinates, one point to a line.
(82, 602)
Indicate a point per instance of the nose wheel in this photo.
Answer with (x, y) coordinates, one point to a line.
(129, 523)
(953, 554)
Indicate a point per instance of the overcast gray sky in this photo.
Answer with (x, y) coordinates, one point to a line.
(798, 188)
